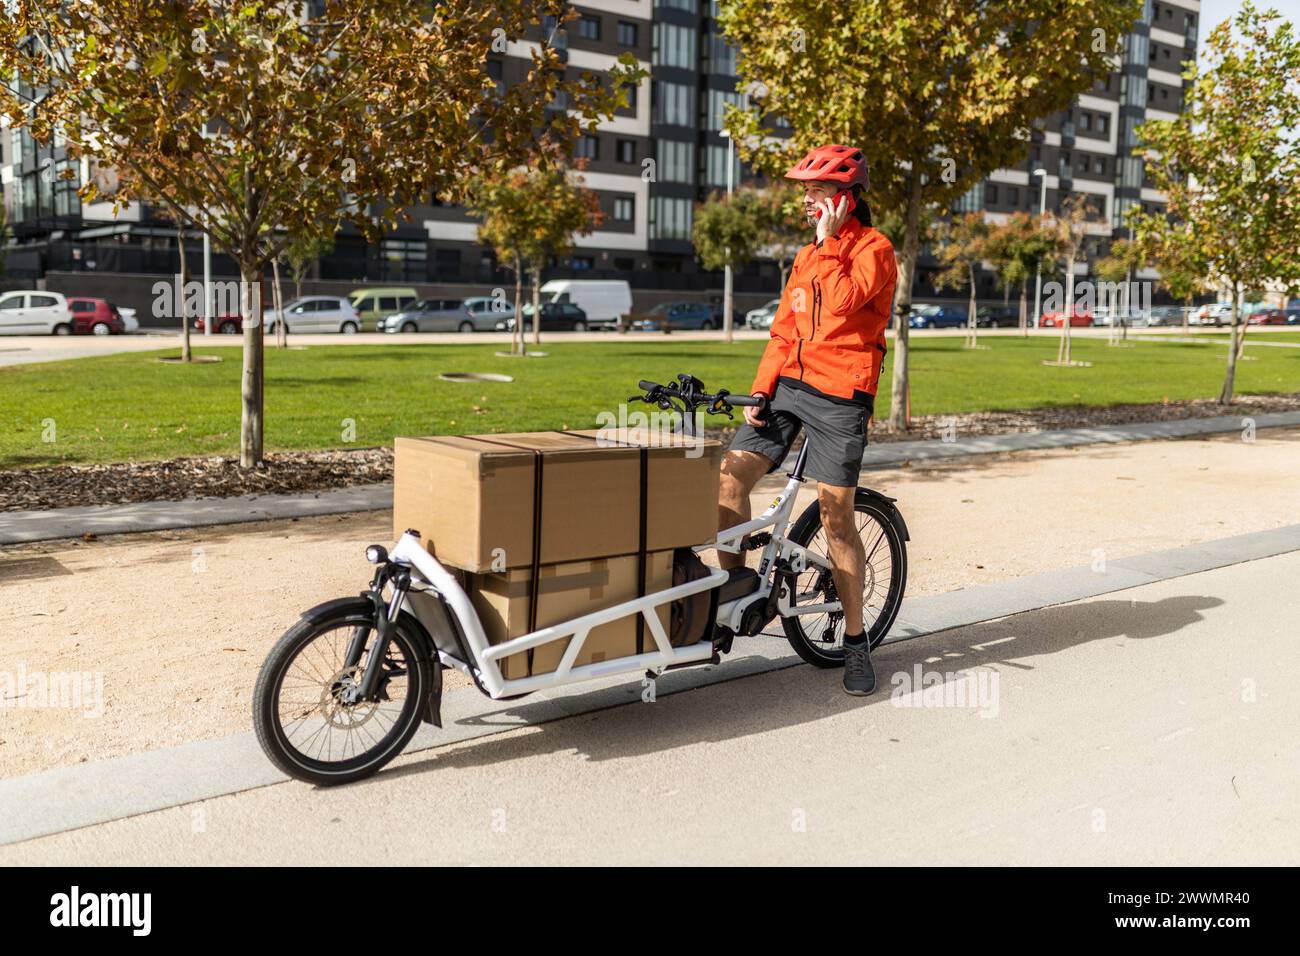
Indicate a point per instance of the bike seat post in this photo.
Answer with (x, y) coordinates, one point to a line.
(797, 471)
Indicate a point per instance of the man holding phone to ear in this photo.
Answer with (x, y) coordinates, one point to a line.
(819, 373)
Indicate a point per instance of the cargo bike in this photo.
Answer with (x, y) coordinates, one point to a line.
(345, 689)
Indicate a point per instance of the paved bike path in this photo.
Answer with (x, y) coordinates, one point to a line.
(73, 797)
(26, 526)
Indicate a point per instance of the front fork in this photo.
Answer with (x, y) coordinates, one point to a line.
(385, 620)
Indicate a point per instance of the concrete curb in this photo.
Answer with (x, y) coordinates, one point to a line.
(18, 527)
(68, 798)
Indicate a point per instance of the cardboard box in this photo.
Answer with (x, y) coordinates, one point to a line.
(568, 590)
(472, 497)
(681, 484)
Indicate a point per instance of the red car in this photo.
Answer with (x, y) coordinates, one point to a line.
(225, 325)
(95, 317)
(1052, 320)
(1267, 317)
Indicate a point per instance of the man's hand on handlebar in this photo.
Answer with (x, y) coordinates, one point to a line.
(755, 415)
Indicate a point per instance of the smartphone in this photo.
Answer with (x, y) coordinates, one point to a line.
(852, 204)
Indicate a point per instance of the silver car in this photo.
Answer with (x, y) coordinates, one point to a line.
(485, 311)
(316, 313)
(430, 315)
(761, 318)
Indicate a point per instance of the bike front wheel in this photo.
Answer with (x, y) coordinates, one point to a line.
(819, 637)
(306, 718)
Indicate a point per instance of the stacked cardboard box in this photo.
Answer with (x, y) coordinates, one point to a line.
(591, 518)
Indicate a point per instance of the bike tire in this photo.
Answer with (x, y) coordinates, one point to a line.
(805, 530)
(266, 697)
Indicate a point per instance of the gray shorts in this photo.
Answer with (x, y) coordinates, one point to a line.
(836, 435)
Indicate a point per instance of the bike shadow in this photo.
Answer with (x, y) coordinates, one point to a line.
(795, 694)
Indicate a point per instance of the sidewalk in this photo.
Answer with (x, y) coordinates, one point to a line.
(1043, 770)
(25, 526)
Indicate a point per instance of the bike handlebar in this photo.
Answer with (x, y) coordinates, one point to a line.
(690, 392)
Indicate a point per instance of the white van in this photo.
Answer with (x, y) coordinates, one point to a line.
(604, 300)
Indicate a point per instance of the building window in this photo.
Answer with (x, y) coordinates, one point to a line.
(674, 104)
(587, 147)
(675, 161)
(582, 263)
(626, 33)
(624, 209)
(972, 201)
(673, 46)
(715, 167)
(991, 194)
(1135, 90)
(1103, 123)
(671, 218)
(722, 56)
(1085, 120)
(1138, 46)
(589, 27)
(1013, 197)
(625, 150)
(687, 5)
(718, 99)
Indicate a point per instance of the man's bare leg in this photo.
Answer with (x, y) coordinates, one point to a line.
(848, 557)
(741, 471)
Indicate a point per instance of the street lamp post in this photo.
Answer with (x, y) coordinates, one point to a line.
(1038, 271)
(726, 275)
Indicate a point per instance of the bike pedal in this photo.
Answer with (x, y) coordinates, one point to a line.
(760, 540)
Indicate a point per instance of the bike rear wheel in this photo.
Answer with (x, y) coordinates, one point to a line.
(819, 638)
(303, 721)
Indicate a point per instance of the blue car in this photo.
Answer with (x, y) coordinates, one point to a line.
(936, 317)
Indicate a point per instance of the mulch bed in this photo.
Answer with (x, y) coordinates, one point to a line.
(64, 486)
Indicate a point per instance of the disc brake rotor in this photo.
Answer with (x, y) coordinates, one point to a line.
(343, 715)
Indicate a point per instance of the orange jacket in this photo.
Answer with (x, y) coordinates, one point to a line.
(829, 331)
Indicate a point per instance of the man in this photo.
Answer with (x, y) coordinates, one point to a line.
(819, 373)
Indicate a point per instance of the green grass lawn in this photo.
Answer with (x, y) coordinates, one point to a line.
(131, 406)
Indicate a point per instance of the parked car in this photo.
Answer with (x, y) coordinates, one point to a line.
(430, 315)
(761, 318)
(316, 313)
(676, 315)
(715, 311)
(486, 311)
(1054, 320)
(34, 313)
(1267, 317)
(375, 304)
(1216, 314)
(129, 322)
(1166, 315)
(997, 316)
(937, 317)
(602, 301)
(222, 325)
(556, 317)
(94, 316)
(1293, 315)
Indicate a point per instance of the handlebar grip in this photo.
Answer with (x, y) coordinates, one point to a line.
(647, 386)
(751, 400)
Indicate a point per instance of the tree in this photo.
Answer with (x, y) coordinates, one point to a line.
(260, 125)
(1229, 165)
(302, 253)
(528, 216)
(1019, 247)
(1125, 258)
(963, 245)
(1071, 234)
(728, 230)
(937, 95)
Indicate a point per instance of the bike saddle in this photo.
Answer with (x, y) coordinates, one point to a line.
(740, 581)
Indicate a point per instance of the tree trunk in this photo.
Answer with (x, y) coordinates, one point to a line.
(1024, 307)
(281, 326)
(900, 412)
(537, 305)
(972, 332)
(1225, 396)
(1063, 351)
(251, 381)
(517, 336)
(186, 356)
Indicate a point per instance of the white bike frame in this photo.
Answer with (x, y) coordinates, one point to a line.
(409, 552)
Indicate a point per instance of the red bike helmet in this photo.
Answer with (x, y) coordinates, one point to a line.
(842, 165)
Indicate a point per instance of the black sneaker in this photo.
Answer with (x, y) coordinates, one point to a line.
(859, 678)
